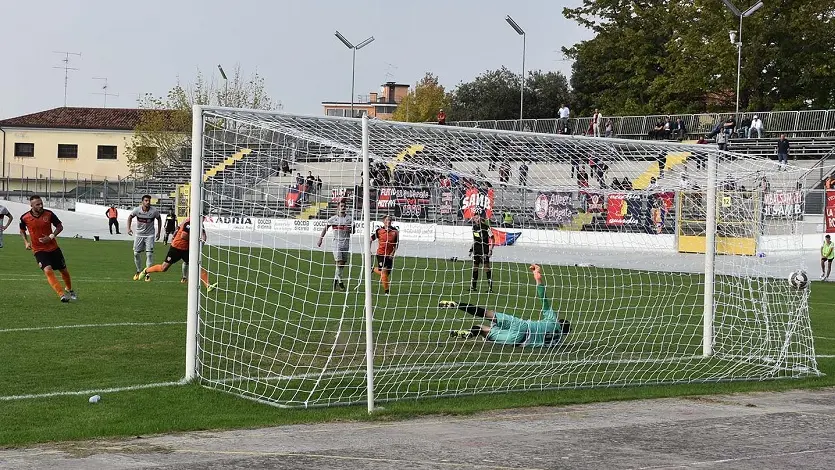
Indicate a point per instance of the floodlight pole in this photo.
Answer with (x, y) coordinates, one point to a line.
(520, 32)
(354, 50)
(741, 15)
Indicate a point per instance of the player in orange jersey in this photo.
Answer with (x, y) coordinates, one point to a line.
(179, 251)
(39, 223)
(388, 239)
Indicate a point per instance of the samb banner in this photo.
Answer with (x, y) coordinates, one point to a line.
(623, 209)
(476, 198)
(829, 220)
(781, 205)
(553, 207)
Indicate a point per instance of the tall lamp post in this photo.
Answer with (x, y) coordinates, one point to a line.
(225, 86)
(734, 35)
(520, 32)
(354, 50)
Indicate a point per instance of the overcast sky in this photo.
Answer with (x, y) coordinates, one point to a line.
(143, 47)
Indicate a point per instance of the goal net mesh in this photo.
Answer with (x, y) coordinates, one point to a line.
(618, 227)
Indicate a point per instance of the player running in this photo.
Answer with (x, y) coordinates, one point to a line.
(482, 248)
(343, 227)
(170, 226)
(145, 215)
(388, 239)
(39, 222)
(179, 251)
(3, 214)
(508, 329)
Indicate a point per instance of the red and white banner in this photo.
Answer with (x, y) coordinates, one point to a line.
(829, 220)
(476, 198)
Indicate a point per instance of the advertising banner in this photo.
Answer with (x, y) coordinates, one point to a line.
(783, 204)
(476, 198)
(553, 207)
(229, 223)
(623, 209)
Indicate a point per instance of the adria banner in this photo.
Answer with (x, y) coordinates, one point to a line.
(553, 207)
(623, 209)
(784, 204)
(829, 220)
(476, 198)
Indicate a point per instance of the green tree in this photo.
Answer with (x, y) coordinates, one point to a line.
(495, 95)
(671, 56)
(165, 122)
(423, 102)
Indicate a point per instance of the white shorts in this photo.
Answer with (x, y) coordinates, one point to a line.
(143, 243)
(341, 253)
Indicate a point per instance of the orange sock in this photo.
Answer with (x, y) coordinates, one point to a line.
(385, 277)
(157, 268)
(53, 281)
(204, 276)
(65, 275)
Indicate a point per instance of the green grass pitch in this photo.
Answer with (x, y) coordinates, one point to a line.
(123, 333)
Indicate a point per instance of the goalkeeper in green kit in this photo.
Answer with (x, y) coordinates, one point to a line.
(508, 329)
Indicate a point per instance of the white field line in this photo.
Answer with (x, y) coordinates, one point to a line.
(91, 325)
(92, 391)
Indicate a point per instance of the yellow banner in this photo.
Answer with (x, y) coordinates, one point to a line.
(182, 201)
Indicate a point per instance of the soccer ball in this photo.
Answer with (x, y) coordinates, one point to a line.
(799, 280)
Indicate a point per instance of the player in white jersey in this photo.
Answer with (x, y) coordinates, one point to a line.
(343, 227)
(3, 214)
(145, 234)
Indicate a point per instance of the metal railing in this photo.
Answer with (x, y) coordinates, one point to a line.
(814, 123)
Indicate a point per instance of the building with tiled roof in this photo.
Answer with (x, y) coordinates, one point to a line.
(87, 141)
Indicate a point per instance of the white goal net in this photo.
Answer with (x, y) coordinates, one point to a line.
(618, 227)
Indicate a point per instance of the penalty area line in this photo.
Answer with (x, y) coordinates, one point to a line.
(92, 391)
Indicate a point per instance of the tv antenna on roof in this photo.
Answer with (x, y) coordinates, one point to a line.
(104, 90)
(67, 68)
(389, 74)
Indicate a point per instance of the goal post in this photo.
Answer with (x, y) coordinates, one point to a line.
(299, 319)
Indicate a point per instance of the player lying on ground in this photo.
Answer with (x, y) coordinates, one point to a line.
(39, 222)
(508, 329)
(388, 239)
(179, 251)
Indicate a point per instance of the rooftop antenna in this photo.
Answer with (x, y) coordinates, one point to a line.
(104, 90)
(67, 68)
(389, 74)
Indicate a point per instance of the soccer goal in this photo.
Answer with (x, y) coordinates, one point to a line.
(669, 261)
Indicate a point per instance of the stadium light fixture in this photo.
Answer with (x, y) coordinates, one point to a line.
(354, 50)
(521, 32)
(733, 35)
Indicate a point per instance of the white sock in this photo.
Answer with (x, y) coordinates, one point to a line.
(137, 258)
(185, 270)
(339, 273)
(149, 258)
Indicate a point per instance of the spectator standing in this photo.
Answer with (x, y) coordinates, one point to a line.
(523, 174)
(756, 126)
(597, 123)
(113, 219)
(722, 139)
(582, 178)
(610, 128)
(318, 184)
(783, 151)
(310, 182)
(441, 117)
(504, 173)
(564, 113)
